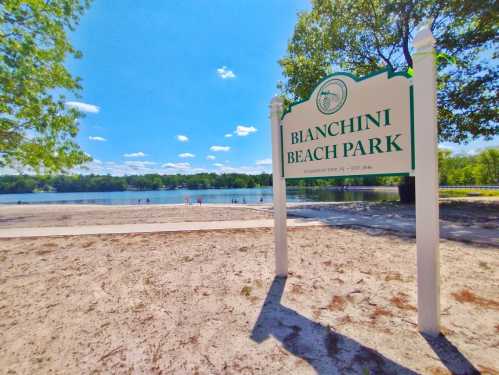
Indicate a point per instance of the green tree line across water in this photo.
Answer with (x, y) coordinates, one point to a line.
(481, 169)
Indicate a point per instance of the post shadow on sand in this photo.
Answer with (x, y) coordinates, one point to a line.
(328, 352)
(450, 356)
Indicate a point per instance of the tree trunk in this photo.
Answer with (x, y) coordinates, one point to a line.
(407, 190)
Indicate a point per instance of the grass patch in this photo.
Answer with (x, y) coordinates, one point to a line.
(393, 276)
(483, 265)
(456, 193)
(246, 291)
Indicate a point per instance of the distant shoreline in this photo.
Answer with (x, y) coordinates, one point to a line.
(338, 188)
(332, 188)
(232, 197)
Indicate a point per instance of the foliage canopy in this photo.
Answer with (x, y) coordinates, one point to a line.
(362, 36)
(37, 130)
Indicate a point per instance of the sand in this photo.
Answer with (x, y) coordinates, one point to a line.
(24, 216)
(480, 212)
(199, 303)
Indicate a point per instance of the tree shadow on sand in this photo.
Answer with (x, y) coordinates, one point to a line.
(328, 352)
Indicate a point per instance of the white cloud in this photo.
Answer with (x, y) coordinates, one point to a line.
(243, 131)
(225, 73)
(16, 170)
(97, 139)
(186, 155)
(264, 162)
(220, 148)
(473, 151)
(182, 138)
(179, 166)
(83, 107)
(138, 154)
(141, 167)
(139, 164)
(129, 167)
(228, 135)
(210, 157)
(197, 170)
(242, 169)
(135, 167)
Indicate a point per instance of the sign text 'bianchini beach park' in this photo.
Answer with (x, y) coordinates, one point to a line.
(326, 136)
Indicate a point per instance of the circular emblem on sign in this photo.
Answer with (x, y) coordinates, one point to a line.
(331, 96)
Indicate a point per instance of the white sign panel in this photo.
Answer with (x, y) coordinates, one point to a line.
(351, 127)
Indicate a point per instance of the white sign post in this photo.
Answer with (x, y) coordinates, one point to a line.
(426, 144)
(279, 190)
(382, 124)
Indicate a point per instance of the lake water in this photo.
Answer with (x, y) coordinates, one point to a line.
(208, 196)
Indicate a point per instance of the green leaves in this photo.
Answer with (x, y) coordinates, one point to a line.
(444, 56)
(482, 169)
(361, 36)
(36, 129)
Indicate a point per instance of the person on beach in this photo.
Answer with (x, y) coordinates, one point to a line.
(199, 200)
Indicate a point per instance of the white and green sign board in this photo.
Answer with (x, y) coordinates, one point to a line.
(351, 127)
(381, 124)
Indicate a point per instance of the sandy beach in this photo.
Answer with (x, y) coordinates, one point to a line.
(483, 212)
(15, 216)
(231, 188)
(207, 303)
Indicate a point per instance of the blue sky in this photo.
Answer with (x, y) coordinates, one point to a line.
(154, 70)
(183, 86)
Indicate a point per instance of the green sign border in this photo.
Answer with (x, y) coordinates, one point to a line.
(390, 74)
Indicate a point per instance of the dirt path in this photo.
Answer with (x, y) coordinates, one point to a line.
(150, 228)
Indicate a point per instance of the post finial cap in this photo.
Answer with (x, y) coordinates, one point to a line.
(424, 38)
(276, 104)
(277, 100)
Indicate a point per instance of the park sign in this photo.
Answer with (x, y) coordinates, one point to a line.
(351, 126)
(375, 125)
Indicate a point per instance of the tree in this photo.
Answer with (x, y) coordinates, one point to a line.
(480, 169)
(37, 130)
(488, 161)
(444, 155)
(362, 36)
